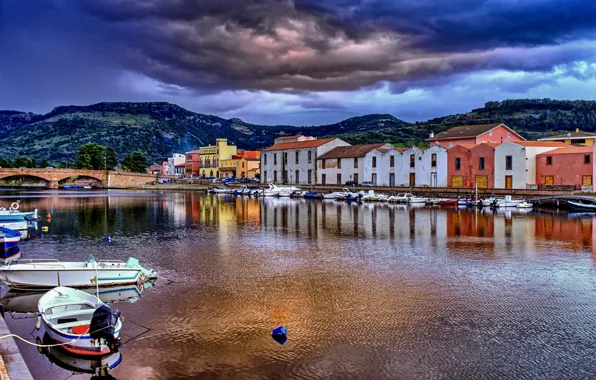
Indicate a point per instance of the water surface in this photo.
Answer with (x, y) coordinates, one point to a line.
(366, 291)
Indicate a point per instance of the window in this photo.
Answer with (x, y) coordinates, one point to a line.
(324, 179)
(297, 178)
(508, 134)
(412, 160)
(296, 157)
(265, 175)
(309, 174)
(285, 176)
(309, 156)
(274, 158)
(264, 159)
(481, 163)
(374, 162)
(355, 163)
(339, 179)
(508, 162)
(587, 159)
(391, 161)
(285, 158)
(549, 160)
(339, 163)
(433, 160)
(356, 178)
(323, 163)
(457, 163)
(275, 176)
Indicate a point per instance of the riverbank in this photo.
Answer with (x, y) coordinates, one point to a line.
(12, 364)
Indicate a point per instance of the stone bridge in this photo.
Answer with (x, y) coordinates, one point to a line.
(52, 177)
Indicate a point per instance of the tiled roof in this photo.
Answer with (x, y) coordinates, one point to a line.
(300, 144)
(469, 131)
(401, 149)
(545, 144)
(350, 151)
(570, 135)
(468, 146)
(569, 150)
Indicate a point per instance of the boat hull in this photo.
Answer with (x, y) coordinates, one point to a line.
(73, 278)
(82, 345)
(7, 216)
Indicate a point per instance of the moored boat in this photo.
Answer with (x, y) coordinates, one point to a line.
(581, 205)
(524, 204)
(31, 274)
(448, 203)
(14, 215)
(80, 321)
(9, 244)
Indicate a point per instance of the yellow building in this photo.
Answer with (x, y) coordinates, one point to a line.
(245, 164)
(210, 157)
(575, 138)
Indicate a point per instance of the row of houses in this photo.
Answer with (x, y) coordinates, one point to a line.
(483, 156)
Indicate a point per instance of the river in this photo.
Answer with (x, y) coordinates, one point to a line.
(366, 291)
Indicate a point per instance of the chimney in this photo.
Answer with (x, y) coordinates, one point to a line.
(576, 130)
(432, 135)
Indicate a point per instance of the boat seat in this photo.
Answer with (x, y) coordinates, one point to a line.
(80, 329)
(74, 325)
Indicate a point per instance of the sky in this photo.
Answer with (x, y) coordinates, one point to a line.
(300, 62)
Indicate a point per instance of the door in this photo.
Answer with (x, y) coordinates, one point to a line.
(433, 179)
(324, 179)
(457, 181)
(549, 180)
(508, 182)
(392, 179)
(374, 179)
(412, 179)
(587, 180)
(482, 181)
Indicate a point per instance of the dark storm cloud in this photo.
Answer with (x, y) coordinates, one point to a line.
(313, 45)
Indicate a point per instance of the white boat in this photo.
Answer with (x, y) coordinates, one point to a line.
(277, 190)
(9, 244)
(16, 216)
(524, 204)
(220, 190)
(413, 199)
(508, 202)
(581, 205)
(399, 198)
(382, 197)
(81, 321)
(370, 196)
(31, 274)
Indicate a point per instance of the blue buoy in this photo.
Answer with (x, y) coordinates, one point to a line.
(108, 239)
(280, 334)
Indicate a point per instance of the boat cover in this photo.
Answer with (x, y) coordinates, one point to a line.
(103, 325)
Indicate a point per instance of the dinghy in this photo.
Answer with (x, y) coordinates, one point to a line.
(13, 215)
(9, 244)
(31, 274)
(81, 321)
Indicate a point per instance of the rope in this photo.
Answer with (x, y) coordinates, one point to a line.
(52, 345)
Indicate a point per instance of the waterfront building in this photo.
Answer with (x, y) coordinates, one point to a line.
(240, 165)
(210, 156)
(180, 169)
(570, 166)
(155, 169)
(575, 138)
(515, 163)
(475, 134)
(173, 161)
(294, 160)
(357, 163)
(431, 168)
(192, 163)
(409, 167)
(472, 166)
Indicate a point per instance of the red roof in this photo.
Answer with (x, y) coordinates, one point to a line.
(569, 150)
(469, 131)
(300, 144)
(352, 151)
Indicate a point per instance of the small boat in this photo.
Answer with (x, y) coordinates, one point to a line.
(399, 198)
(220, 190)
(581, 205)
(508, 202)
(81, 321)
(313, 195)
(297, 194)
(99, 366)
(14, 215)
(370, 196)
(414, 199)
(87, 187)
(45, 274)
(448, 203)
(524, 204)
(433, 201)
(9, 244)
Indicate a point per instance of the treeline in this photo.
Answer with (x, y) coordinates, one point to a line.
(90, 156)
(539, 104)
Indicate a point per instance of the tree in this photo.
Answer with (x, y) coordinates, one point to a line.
(32, 163)
(64, 165)
(111, 159)
(83, 162)
(4, 163)
(91, 156)
(21, 162)
(44, 164)
(136, 162)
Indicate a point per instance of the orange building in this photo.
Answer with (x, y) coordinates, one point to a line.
(471, 166)
(475, 134)
(565, 166)
(191, 166)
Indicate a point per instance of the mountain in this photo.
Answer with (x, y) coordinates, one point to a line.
(159, 128)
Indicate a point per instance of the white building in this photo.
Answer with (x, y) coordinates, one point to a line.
(294, 160)
(174, 161)
(433, 167)
(358, 163)
(515, 162)
(409, 170)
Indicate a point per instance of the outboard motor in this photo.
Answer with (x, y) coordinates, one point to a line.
(103, 325)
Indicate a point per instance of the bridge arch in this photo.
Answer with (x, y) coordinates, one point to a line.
(8, 176)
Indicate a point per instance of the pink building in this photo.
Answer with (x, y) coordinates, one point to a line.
(475, 134)
(571, 166)
(471, 166)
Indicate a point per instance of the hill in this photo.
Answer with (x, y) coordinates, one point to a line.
(159, 128)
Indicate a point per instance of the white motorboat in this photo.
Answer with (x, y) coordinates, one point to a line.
(508, 202)
(524, 204)
(14, 215)
(80, 321)
(277, 190)
(31, 274)
(370, 196)
(382, 197)
(581, 205)
(220, 190)
(399, 198)
(413, 199)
